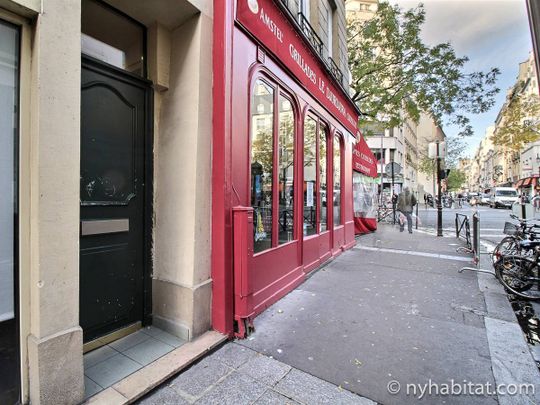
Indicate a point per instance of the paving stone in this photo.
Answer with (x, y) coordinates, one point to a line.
(234, 355)
(148, 351)
(112, 370)
(129, 341)
(271, 397)
(163, 396)
(163, 336)
(264, 369)
(236, 389)
(305, 388)
(512, 362)
(97, 356)
(196, 380)
(90, 387)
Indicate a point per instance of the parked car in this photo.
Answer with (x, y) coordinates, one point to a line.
(484, 199)
(503, 197)
(471, 195)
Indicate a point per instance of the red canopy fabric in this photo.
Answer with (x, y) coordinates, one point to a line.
(363, 159)
(364, 162)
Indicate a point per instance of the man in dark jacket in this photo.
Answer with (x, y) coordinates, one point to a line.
(406, 202)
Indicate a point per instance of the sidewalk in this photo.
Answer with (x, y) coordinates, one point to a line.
(392, 309)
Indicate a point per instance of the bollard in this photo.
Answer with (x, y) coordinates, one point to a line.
(417, 215)
(476, 235)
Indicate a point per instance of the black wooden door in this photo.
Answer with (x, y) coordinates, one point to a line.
(113, 131)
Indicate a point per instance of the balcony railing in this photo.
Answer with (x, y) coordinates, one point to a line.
(315, 41)
(310, 34)
(335, 70)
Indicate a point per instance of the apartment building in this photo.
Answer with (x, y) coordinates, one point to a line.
(388, 145)
(481, 177)
(427, 131)
(501, 165)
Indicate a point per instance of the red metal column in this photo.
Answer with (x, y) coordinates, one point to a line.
(243, 250)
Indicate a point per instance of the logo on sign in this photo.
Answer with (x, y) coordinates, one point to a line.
(253, 6)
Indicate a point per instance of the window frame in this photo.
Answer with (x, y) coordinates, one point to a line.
(309, 112)
(341, 140)
(278, 90)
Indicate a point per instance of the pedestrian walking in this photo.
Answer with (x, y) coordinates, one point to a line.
(459, 199)
(536, 201)
(406, 202)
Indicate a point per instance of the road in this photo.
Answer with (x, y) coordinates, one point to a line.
(491, 220)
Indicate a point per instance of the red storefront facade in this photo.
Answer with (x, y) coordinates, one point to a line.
(283, 134)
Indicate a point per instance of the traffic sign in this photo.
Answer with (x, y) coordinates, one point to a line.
(396, 169)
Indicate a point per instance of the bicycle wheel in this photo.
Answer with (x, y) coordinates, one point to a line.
(519, 275)
(507, 246)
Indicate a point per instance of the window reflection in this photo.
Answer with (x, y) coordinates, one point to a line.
(310, 177)
(323, 219)
(286, 170)
(337, 181)
(9, 92)
(262, 154)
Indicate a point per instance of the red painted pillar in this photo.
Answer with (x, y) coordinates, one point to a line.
(243, 250)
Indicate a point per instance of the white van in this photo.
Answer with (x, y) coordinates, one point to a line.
(503, 197)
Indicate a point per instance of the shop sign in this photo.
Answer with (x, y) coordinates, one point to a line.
(363, 159)
(267, 23)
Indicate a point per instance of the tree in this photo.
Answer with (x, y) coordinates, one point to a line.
(395, 75)
(456, 179)
(454, 150)
(520, 122)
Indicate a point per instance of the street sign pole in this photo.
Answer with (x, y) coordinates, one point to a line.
(439, 199)
(382, 175)
(392, 194)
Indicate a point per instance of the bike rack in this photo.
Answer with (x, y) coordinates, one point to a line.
(472, 246)
(461, 225)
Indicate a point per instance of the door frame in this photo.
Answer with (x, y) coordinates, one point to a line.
(22, 102)
(148, 183)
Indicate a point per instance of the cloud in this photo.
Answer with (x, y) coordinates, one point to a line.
(470, 24)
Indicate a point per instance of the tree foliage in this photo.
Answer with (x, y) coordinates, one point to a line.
(520, 122)
(454, 151)
(394, 73)
(456, 180)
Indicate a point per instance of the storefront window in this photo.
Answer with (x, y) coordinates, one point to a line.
(262, 163)
(323, 218)
(286, 170)
(337, 181)
(9, 109)
(310, 176)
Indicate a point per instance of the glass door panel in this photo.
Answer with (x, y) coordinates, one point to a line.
(286, 170)
(310, 176)
(262, 163)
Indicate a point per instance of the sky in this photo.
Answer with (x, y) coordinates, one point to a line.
(492, 33)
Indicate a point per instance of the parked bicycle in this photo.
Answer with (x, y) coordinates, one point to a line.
(516, 259)
(520, 274)
(526, 230)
